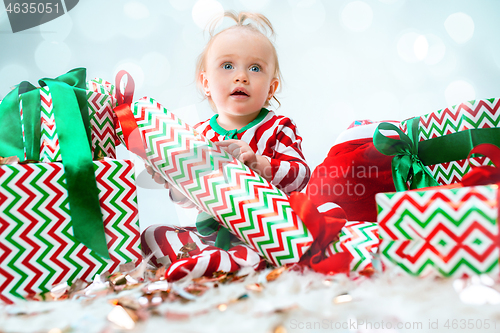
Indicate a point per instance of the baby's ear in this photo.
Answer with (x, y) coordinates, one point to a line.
(272, 88)
(203, 82)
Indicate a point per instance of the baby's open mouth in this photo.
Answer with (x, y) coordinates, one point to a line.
(239, 92)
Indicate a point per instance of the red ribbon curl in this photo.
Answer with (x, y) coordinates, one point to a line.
(324, 229)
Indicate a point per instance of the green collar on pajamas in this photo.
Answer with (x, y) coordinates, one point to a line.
(233, 134)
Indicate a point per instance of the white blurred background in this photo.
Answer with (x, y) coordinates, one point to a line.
(342, 60)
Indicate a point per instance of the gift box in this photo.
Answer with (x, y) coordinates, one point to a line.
(37, 246)
(440, 231)
(86, 208)
(432, 149)
(100, 103)
(448, 135)
(361, 240)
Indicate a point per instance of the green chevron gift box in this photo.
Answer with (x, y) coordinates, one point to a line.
(100, 103)
(59, 221)
(432, 149)
(37, 245)
(442, 231)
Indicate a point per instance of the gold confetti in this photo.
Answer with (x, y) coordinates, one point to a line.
(55, 330)
(279, 329)
(342, 298)
(184, 251)
(254, 287)
(120, 317)
(118, 279)
(222, 307)
(275, 273)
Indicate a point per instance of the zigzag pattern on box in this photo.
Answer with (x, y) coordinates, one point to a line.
(361, 240)
(37, 248)
(49, 141)
(222, 186)
(468, 115)
(101, 121)
(22, 123)
(445, 232)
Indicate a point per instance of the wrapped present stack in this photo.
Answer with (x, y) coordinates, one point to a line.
(447, 230)
(68, 209)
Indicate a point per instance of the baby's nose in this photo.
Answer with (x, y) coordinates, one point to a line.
(241, 77)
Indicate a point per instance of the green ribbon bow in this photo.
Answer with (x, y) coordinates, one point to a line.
(411, 155)
(406, 164)
(69, 100)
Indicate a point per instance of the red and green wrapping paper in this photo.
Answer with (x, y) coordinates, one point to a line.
(465, 125)
(432, 149)
(361, 240)
(100, 103)
(242, 201)
(440, 231)
(37, 246)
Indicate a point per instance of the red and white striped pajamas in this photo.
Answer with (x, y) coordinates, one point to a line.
(274, 137)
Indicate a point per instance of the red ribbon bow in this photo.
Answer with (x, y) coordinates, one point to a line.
(124, 115)
(485, 174)
(325, 229)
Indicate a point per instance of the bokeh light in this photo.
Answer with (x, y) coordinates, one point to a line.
(136, 10)
(58, 29)
(182, 4)
(421, 47)
(98, 25)
(11, 75)
(357, 16)
(254, 5)
(460, 27)
(139, 21)
(206, 11)
(495, 54)
(406, 46)
(458, 92)
(436, 50)
(447, 66)
(309, 15)
(53, 58)
(156, 68)
(381, 105)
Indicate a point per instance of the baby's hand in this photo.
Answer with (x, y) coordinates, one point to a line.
(157, 177)
(176, 195)
(240, 150)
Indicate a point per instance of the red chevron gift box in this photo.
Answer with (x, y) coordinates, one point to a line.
(100, 103)
(37, 245)
(432, 149)
(440, 231)
(59, 221)
(449, 230)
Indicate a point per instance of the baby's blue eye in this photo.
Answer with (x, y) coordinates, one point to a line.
(227, 66)
(255, 68)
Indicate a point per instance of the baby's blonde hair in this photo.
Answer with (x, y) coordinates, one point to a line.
(263, 25)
